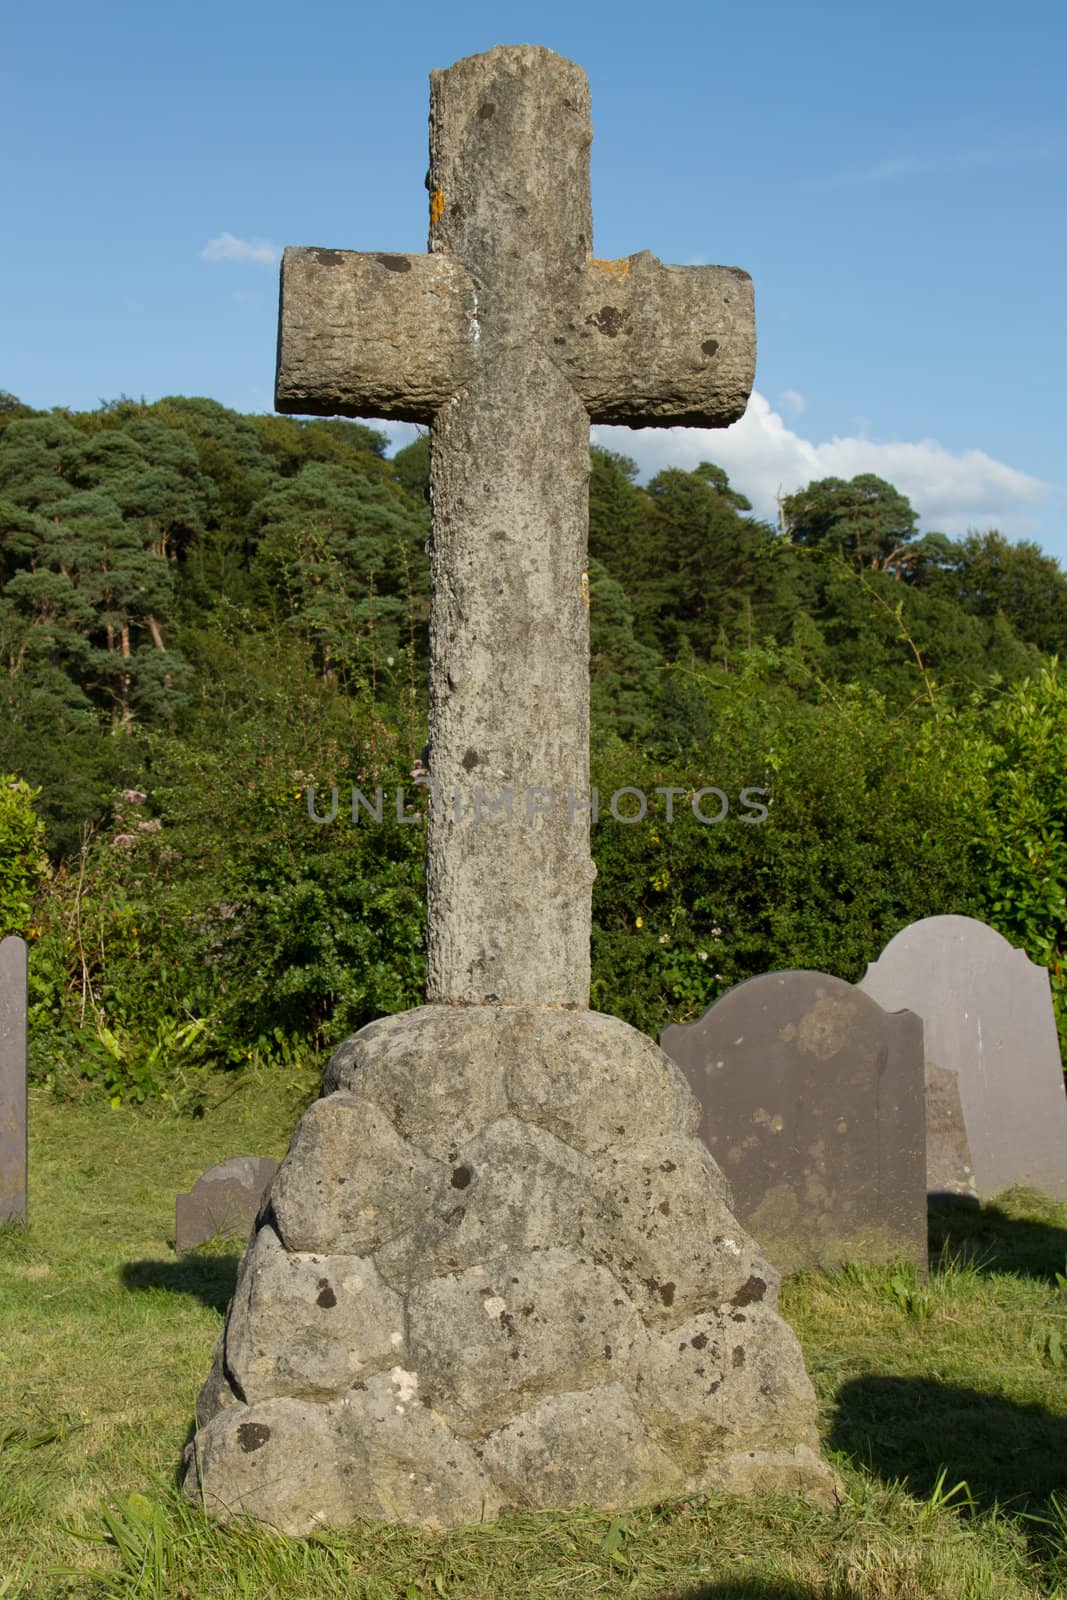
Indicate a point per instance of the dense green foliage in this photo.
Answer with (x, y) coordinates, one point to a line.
(205, 615)
(1020, 851)
(23, 860)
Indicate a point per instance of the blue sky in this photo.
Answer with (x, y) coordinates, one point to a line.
(892, 177)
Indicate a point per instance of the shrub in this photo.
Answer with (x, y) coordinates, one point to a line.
(1020, 843)
(870, 819)
(23, 862)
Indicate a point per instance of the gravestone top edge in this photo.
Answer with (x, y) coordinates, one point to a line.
(952, 926)
(766, 979)
(234, 1169)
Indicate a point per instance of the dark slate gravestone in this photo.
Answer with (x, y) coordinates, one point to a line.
(812, 1101)
(988, 1022)
(13, 1150)
(225, 1199)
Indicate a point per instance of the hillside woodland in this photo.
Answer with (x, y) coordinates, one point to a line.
(203, 615)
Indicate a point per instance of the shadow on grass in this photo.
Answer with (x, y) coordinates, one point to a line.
(207, 1278)
(913, 1428)
(1021, 1232)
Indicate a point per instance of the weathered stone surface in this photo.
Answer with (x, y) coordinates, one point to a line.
(310, 1325)
(613, 1338)
(812, 1105)
(224, 1199)
(217, 1392)
(393, 334)
(514, 1187)
(374, 1452)
(587, 1102)
(404, 1463)
(572, 1073)
(987, 1017)
(649, 345)
(751, 1472)
(13, 1123)
(587, 1448)
(496, 1337)
(438, 1085)
(220, 1388)
(392, 329)
(662, 1219)
(349, 1181)
(720, 1385)
(281, 1461)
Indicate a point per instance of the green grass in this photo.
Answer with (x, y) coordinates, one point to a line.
(943, 1406)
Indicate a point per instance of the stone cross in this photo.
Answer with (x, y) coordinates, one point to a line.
(508, 338)
(12, 1080)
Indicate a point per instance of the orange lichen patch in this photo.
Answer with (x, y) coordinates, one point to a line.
(585, 589)
(620, 268)
(437, 205)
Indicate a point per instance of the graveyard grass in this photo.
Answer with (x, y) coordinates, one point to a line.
(105, 1336)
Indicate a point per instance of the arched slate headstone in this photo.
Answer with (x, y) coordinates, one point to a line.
(988, 1021)
(812, 1105)
(224, 1199)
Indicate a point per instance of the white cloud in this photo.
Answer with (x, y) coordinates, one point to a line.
(883, 171)
(951, 492)
(227, 247)
(938, 163)
(794, 400)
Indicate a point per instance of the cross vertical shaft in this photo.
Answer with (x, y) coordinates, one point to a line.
(509, 902)
(508, 338)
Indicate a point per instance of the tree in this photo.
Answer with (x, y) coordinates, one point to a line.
(866, 521)
(341, 558)
(153, 474)
(129, 590)
(623, 671)
(412, 468)
(714, 580)
(987, 574)
(910, 643)
(11, 409)
(232, 456)
(337, 441)
(37, 460)
(619, 517)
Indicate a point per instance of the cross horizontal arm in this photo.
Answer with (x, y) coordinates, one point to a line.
(655, 346)
(379, 335)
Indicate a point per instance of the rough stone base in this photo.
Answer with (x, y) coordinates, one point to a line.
(498, 1268)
